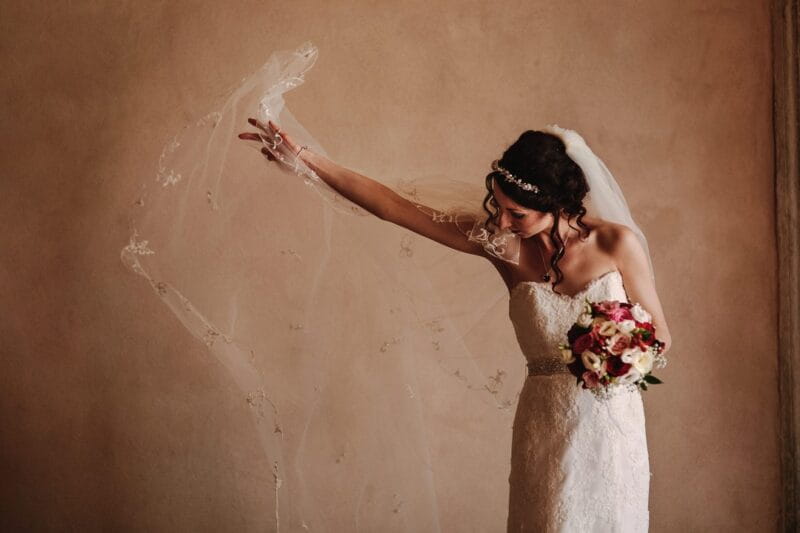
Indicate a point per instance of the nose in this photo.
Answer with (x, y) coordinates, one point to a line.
(504, 221)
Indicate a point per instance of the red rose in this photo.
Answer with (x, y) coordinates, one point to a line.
(616, 367)
(582, 343)
(576, 367)
(643, 340)
(576, 331)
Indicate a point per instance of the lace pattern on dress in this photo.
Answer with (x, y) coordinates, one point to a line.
(576, 464)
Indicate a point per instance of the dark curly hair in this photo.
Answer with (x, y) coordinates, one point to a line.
(541, 159)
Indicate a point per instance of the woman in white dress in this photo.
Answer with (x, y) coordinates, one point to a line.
(577, 464)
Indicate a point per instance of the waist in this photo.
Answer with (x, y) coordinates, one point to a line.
(546, 367)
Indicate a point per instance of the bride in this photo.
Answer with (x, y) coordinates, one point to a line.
(577, 464)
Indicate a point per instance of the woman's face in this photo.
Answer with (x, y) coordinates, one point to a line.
(521, 220)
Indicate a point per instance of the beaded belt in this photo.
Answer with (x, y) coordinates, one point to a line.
(546, 367)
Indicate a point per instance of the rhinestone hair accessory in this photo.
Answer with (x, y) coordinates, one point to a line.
(508, 176)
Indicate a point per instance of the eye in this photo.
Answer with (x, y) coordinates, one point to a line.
(518, 215)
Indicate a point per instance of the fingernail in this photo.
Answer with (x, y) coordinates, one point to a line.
(252, 121)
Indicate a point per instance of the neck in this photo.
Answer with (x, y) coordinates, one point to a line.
(563, 230)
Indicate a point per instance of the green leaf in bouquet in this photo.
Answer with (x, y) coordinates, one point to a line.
(650, 378)
(643, 385)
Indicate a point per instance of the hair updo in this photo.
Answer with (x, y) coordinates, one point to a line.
(541, 159)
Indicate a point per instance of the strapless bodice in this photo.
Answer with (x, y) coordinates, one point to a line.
(542, 317)
(577, 464)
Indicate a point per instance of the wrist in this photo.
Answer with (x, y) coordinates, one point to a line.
(310, 159)
(318, 163)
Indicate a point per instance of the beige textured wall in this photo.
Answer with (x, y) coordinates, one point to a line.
(113, 417)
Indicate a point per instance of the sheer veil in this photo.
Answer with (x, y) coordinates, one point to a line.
(381, 369)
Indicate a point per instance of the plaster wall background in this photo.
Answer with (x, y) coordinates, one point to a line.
(112, 415)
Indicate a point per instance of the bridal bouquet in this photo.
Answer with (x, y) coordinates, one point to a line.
(613, 344)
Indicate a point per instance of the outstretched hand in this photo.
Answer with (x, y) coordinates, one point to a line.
(270, 135)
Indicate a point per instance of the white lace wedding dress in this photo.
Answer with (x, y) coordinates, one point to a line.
(577, 464)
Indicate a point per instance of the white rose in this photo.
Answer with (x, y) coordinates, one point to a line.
(626, 326)
(644, 363)
(632, 376)
(566, 355)
(608, 328)
(640, 314)
(631, 355)
(585, 320)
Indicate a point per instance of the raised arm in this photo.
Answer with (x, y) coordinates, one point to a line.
(373, 196)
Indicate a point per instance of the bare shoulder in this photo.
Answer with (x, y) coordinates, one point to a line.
(622, 245)
(615, 239)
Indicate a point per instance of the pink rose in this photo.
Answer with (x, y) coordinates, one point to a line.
(614, 310)
(619, 314)
(590, 380)
(606, 306)
(619, 343)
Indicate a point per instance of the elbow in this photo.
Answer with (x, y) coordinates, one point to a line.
(386, 210)
(382, 212)
(666, 339)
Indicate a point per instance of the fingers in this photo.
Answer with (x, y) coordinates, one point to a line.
(250, 137)
(258, 137)
(260, 125)
(270, 128)
(272, 135)
(275, 130)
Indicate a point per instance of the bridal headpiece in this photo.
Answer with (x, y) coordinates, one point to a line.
(511, 178)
